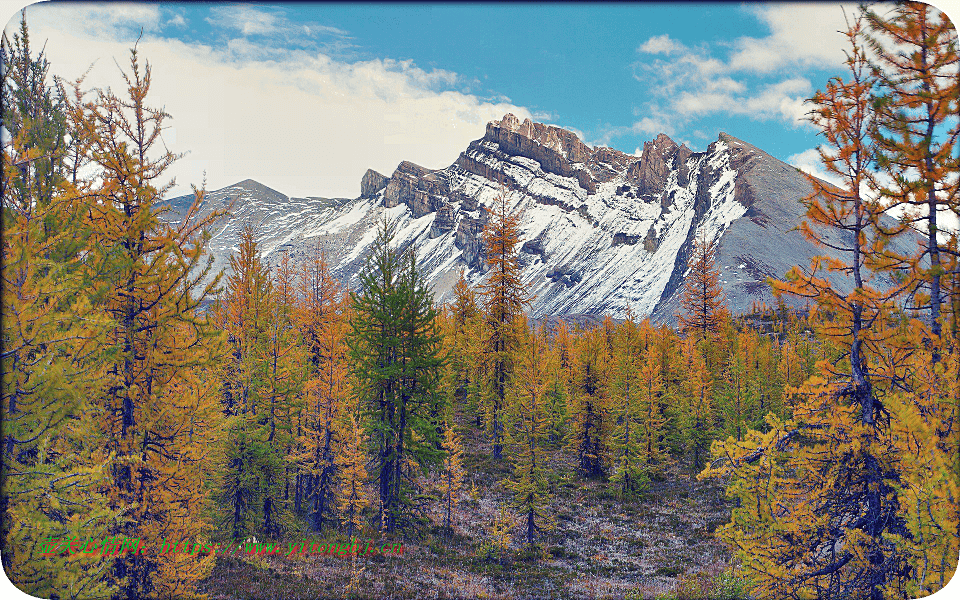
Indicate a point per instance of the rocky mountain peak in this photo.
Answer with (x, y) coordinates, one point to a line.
(601, 231)
(566, 143)
(372, 183)
(658, 158)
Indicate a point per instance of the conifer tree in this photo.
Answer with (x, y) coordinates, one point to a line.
(351, 472)
(698, 412)
(505, 297)
(925, 422)
(463, 332)
(251, 472)
(451, 473)
(819, 509)
(916, 61)
(591, 418)
(559, 397)
(160, 400)
(54, 464)
(628, 469)
(652, 405)
(394, 346)
(736, 393)
(528, 429)
(322, 321)
(702, 299)
(286, 369)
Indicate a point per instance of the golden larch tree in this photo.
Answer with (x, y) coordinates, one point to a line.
(160, 399)
(914, 49)
(451, 473)
(504, 297)
(351, 473)
(703, 298)
(819, 508)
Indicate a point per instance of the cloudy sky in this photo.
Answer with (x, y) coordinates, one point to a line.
(304, 98)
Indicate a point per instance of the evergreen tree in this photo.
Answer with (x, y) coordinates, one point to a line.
(251, 473)
(286, 369)
(394, 346)
(652, 405)
(629, 468)
(591, 418)
(54, 464)
(698, 413)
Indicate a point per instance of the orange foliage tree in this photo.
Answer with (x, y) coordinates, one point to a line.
(161, 398)
(818, 496)
(703, 299)
(504, 300)
(916, 131)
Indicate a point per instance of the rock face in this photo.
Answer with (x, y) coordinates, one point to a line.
(602, 232)
(372, 183)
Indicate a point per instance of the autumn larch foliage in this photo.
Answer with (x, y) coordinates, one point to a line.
(322, 321)
(504, 300)
(54, 340)
(160, 398)
(351, 473)
(915, 60)
(590, 403)
(451, 473)
(819, 505)
(528, 430)
(703, 299)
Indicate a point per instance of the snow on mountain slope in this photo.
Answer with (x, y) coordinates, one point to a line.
(601, 231)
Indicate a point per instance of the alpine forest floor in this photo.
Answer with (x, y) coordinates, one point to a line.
(659, 545)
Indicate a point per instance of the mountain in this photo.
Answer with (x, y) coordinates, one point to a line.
(601, 231)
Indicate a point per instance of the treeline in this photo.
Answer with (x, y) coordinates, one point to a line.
(273, 401)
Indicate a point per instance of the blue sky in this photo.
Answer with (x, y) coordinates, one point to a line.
(306, 97)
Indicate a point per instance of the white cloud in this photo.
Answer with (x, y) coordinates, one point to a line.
(248, 20)
(177, 21)
(96, 20)
(801, 34)
(761, 77)
(661, 44)
(298, 121)
(809, 162)
(649, 125)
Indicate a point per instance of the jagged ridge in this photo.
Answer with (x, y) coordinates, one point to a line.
(602, 232)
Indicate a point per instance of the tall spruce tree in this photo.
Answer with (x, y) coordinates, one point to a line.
(395, 350)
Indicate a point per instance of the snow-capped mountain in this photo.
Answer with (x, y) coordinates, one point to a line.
(601, 231)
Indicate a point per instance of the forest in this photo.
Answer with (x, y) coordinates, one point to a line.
(145, 397)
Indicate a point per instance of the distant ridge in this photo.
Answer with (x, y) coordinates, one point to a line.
(602, 232)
